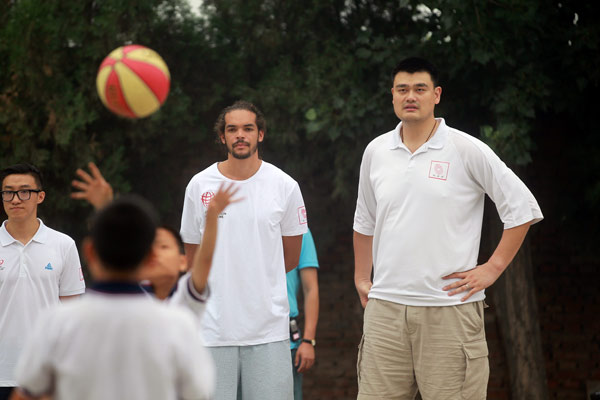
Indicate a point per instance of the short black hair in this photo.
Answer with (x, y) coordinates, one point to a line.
(176, 235)
(123, 232)
(417, 64)
(23, 169)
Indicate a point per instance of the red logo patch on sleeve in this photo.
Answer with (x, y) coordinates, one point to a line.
(302, 219)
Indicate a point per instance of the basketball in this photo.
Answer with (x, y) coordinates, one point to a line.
(133, 81)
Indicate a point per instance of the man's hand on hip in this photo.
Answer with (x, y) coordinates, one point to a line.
(472, 281)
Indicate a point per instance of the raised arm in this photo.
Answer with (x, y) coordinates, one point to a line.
(93, 188)
(202, 255)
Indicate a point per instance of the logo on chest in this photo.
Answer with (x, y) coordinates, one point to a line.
(439, 170)
(207, 197)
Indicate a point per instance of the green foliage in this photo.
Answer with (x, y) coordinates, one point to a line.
(319, 69)
(50, 113)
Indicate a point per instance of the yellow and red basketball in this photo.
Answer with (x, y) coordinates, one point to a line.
(133, 81)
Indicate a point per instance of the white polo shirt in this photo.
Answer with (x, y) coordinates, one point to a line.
(116, 342)
(32, 277)
(185, 295)
(425, 211)
(248, 302)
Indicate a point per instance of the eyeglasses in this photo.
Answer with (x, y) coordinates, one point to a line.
(23, 194)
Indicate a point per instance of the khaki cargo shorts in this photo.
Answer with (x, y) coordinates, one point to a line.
(440, 352)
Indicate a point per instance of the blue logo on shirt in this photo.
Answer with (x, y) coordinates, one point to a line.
(49, 267)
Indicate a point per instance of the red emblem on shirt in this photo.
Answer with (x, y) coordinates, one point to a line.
(207, 197)
(439, 170)
(302, 218)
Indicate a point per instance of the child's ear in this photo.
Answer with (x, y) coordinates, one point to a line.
(91, 256)
(183, 265)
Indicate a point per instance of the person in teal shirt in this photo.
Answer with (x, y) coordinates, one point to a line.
(305, 276)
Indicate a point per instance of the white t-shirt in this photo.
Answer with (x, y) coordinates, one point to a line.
(116, 343)
(248, 302)
(32, 277)
(425, 211)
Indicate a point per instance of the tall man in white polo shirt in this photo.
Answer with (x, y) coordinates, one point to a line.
(245, 325)
(418, 226)
(38, 266)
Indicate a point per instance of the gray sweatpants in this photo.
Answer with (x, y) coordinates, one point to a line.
(259, 372)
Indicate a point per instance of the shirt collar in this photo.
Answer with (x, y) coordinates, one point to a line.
(40, 236)
(117, 287)
(436, 142)
(148, 287)
(42, 233)
(5, 237)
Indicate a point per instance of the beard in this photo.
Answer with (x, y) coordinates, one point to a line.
(243, 156)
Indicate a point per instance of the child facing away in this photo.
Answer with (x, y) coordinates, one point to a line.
(166, 274)
(118, 342)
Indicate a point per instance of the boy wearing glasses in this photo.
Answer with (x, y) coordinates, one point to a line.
(38, 265)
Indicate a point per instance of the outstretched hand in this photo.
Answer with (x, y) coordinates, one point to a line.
(93, 188)
(223, 198)
(202, 259)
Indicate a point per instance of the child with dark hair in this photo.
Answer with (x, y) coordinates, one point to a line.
(116, 342)
(162, 274)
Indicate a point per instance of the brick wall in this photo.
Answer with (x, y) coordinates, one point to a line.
(567, 274)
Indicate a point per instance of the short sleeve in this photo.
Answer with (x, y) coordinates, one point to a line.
(191, 218)
(514, 202)
(187, 296)
(71, 278)
(366, 203)
(295, 220)
(308, 254)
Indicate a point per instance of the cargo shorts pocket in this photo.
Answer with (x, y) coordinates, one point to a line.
(359, 358)
(477, 370)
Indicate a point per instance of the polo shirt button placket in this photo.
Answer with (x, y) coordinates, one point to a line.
(22, 265)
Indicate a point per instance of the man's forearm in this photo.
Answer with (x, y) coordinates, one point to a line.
(292, 246)
(202, 259)
(484, 275)
(507, 248)
(310, 289)
(363, 257)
